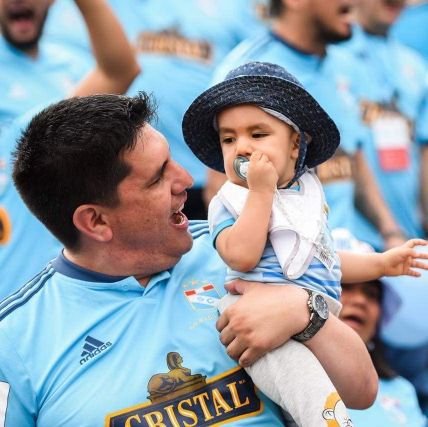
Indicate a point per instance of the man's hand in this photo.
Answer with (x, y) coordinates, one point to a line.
(265, 317)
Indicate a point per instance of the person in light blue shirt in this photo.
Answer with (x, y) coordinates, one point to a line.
(120, 328)
(411, 29)
(178, 45)
(25, 244)
(391, 84)
(31, 71)
(346, 177)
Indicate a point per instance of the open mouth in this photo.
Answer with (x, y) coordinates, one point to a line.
(21, 14)
(354, 319)
(178, 217)
(355, 322)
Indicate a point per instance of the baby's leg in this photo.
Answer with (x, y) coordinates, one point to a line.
(292, 377)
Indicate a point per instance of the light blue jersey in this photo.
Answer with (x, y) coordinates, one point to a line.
(411, 27)
(392, 89)
(25, 243)
(83, 349)
(26, 82)
(324, 80)
(316, 277)
(396, 405)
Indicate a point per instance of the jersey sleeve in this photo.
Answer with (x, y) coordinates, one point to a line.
(17, 403)
(219, 218)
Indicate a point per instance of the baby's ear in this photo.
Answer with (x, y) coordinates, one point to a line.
(295, 140)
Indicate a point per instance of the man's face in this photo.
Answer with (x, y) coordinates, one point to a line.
(148, 225)
(377, 16)
(22, 21)
(332, 19)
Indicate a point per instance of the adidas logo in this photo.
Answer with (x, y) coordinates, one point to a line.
(92, 348)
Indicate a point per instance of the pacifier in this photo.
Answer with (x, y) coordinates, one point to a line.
(240, 166)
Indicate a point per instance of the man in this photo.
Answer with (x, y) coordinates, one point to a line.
(119, 330)
(114, 71)
(389, 81)
(300, 34)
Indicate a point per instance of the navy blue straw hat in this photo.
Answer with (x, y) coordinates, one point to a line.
(265, 85)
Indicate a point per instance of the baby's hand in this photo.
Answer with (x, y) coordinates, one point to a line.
(402, 260)
(262, 175)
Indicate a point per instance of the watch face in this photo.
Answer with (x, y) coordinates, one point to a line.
(320, 306)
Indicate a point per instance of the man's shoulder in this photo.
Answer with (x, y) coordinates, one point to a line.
(15, 307)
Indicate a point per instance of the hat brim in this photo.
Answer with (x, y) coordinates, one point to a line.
(265, 91)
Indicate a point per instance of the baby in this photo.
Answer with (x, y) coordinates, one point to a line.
(269, 220)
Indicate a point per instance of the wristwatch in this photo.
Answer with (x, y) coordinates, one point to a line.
(318, 312)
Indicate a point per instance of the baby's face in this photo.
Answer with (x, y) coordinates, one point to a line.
(245, 128)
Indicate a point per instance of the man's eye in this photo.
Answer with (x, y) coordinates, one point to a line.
(156, 181)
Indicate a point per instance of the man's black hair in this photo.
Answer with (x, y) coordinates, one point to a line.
(71, 153)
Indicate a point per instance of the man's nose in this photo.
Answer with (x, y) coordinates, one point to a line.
(182, 180)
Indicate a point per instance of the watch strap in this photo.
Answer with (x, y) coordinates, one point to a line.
(315, 321)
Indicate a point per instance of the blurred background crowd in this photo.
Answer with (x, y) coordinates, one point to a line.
(365, 61)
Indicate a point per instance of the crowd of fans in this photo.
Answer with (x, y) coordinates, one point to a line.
(364, 61)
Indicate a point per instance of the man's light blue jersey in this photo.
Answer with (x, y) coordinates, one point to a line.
(84, 349)
(25, 243)
(396, 405)
(26, 82)
(391, 83)
(323, 79)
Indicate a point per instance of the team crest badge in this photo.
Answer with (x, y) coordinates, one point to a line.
(204, 296)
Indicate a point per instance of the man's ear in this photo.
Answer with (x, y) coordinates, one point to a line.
(91, 221)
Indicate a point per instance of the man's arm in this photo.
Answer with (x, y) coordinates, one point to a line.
(369, 201)
(116, 64)
(266, 316)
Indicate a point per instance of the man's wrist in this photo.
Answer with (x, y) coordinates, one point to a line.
(318, 315)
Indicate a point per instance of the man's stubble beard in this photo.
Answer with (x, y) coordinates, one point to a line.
(24, 46)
